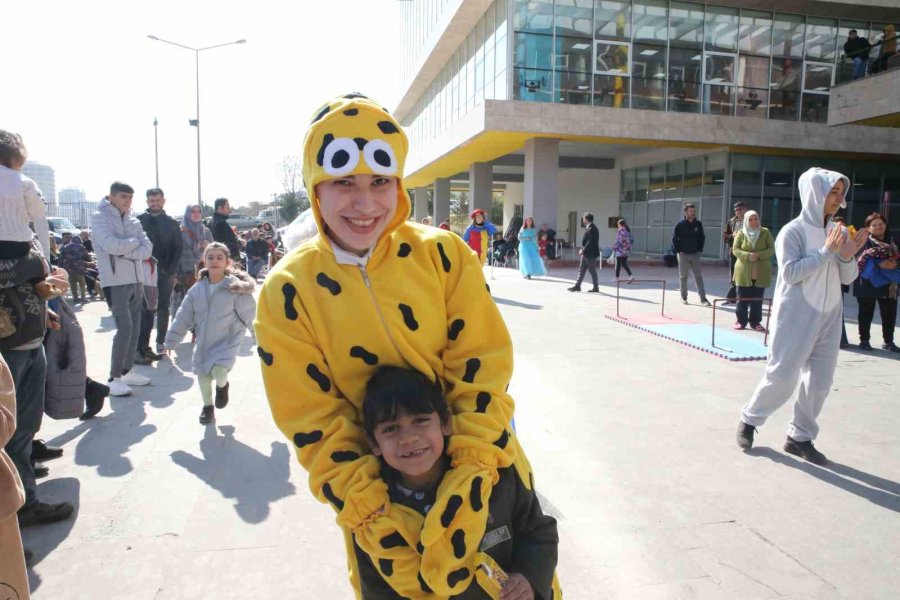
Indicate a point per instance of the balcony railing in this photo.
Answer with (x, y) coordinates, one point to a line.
(869, 62)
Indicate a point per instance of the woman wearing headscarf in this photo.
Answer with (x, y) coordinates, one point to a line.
(753, 247)
(877, 283)
(194, 237)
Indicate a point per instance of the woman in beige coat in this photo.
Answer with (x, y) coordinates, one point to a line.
(13, 578)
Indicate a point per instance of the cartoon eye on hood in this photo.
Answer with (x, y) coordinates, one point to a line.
(339, 156)
(380, 157)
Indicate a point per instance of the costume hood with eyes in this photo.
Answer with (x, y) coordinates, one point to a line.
(326, 323)
(807, 309)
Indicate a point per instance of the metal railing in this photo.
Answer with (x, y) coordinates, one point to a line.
(871, 66)
(768, 316)
(619, 283)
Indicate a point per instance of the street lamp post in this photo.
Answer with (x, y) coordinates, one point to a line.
(156, 149)
(196, 122)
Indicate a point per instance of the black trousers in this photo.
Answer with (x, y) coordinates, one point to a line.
(888, 308)
(753, 308)
(587, 264)
(165, 284)
(622, 263)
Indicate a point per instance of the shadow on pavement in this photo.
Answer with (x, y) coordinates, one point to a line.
(240, 472)
(883, 492)
(517, 304)
(44, 539)
(108, 437)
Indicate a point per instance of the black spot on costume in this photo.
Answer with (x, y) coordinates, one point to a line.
(344, 456)
(404, 250)
(351, 112)
(353, 95)
(502, 440)
(329, 495)
(456, 328)
(453, 506)
(394, 540)
(459, 543)
(457, 576)
(472, 366)
(328, 283)
(360, 142)
(475, 495)
(482, 401)
(319, 377)
(320, 157)
(290, 292)
(424, 585)
(445, 262)
(366, 356)
(266, 357)
(387, 127)
(408, 317)
(321, 114)
(304, 439)
(387, 566)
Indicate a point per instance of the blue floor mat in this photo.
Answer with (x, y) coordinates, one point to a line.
(730, 344)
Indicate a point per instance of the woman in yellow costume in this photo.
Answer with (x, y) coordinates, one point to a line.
(374, 289)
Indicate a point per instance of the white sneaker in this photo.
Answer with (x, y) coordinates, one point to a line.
(630, 279)
(118, 388)
(160, 348)
(132, 378)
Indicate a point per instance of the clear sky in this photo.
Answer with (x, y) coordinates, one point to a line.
(82, 83)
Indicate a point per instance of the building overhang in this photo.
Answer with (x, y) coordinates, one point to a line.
(500, 127)
(873, 100)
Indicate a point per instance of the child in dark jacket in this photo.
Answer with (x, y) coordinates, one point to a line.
(407, 422)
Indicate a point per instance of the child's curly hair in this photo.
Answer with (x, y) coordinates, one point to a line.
(12, 149)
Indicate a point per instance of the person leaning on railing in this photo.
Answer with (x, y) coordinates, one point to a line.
(857, 49)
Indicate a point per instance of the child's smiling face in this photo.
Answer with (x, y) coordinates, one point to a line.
(357, 209)
(413, 445)
(216, 261)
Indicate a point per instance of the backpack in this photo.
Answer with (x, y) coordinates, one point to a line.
(23, 312)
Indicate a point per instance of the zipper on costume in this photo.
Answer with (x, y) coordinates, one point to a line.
(365, 276)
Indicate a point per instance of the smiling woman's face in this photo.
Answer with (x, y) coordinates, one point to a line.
(357, 209)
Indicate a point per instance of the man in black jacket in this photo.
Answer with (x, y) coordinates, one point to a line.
(590, 252)
(688, 241)
(165, 235)
(221, 230)
(857, 49)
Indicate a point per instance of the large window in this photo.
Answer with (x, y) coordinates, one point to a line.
(756, 32)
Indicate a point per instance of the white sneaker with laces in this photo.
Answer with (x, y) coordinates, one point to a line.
(132, 378)
(118, 388)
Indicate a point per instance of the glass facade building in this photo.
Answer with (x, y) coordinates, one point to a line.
(652, 197)
(678, 56)
(476, 71)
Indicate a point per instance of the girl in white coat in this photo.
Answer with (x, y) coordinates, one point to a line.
(815, 256)
(219, 307)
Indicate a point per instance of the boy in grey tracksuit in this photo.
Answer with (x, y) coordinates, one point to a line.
(120, 245)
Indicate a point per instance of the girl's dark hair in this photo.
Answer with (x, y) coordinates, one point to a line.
(624, 224)
(395, 389)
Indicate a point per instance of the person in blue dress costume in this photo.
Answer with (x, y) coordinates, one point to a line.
(530, 262)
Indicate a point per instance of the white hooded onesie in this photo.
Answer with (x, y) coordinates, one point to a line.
(807, 310)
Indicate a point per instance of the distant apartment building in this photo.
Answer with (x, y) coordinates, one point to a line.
(71, 196)
(632, 108)
(45, 177)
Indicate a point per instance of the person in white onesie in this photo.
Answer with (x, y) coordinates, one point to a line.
(815, 256)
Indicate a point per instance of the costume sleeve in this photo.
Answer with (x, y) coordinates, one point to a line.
(184, 320)
(329, 442)
(143, 251)
(491, 228)
(535, 542)
(849, 270)
(793, 265)
(477, 369)
(466, 233)
(245, 307)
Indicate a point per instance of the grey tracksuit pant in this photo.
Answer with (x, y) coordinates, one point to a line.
(126, 302)
(811, 359)
(692, 262)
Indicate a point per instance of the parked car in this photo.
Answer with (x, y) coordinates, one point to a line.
(60, 225)
(269, 215)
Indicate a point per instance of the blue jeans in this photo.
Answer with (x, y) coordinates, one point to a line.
(254, 266)
(29, 373)
(859, 67)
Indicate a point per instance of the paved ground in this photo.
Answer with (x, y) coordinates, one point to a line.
(632, 442)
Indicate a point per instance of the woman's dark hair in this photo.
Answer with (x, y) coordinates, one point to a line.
(624, 224)
(875, 216)
(525, 223)
(395, 389)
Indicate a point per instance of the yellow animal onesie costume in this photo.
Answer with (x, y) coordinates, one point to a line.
(419, 301)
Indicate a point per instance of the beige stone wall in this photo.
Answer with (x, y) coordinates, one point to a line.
(866, 98)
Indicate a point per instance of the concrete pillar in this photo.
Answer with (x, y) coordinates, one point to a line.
(420, 203)
(541, 181)
(480, 187)
(441, 200)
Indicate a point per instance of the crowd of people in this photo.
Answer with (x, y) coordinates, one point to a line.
(871, 57)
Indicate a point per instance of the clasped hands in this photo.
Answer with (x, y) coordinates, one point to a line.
(845, 245)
